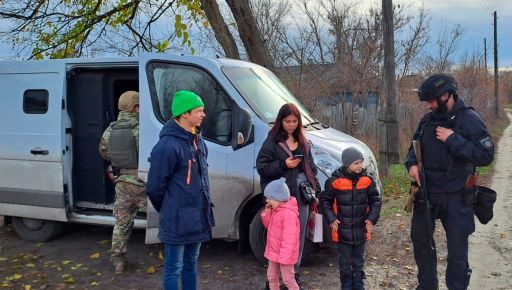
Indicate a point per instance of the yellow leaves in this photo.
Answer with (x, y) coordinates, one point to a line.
(68, 279)
(30, 265)
(27, 287)
(94, 283)
(151, 270)
(160, 255)
(95, 256)
(13, 277)
(66, 262)
(162, 46)
(3, 259)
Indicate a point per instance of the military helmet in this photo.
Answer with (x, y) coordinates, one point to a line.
(128, 100)
(435, 86)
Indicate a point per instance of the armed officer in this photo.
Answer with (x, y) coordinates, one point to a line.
(454, 140)
(120, 146)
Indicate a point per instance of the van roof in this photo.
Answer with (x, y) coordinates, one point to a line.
(12, 66)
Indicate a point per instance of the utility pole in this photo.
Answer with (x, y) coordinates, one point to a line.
(389, 141)
(496, 97)
(485, 55)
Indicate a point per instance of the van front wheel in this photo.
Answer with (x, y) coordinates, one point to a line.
(36, 230)
(258, 240)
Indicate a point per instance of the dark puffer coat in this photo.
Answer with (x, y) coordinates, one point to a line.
(357, 200)
(271, 165)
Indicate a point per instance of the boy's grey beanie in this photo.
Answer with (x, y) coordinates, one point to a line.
(349, 155)
(277, 190)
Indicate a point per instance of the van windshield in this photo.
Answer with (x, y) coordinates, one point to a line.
(264, 92)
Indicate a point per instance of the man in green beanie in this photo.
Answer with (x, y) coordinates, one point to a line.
(179, 190)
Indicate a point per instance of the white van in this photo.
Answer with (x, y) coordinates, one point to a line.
(54, 112)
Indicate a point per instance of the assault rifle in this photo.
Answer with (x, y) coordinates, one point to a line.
(423, 194)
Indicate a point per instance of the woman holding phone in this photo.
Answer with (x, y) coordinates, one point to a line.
(287, 153)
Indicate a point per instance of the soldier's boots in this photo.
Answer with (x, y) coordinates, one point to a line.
(119, 268)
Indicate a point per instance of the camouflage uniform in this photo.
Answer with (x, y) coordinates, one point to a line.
(130, 195)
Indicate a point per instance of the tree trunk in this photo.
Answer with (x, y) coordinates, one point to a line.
(220, 28)
(251, 37)
(389, 141)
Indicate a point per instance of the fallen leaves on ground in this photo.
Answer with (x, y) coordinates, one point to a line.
(95, 256)
(151, 270)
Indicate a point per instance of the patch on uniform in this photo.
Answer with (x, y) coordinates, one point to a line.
(487, 143)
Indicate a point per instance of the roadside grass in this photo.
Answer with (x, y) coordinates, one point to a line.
(395, 189)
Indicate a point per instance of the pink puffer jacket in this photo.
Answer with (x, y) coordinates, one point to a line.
(283, 233)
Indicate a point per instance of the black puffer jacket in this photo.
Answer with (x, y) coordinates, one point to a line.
(357, 200)
(271, 165)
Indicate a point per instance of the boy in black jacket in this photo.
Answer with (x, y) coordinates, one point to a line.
(351, 205)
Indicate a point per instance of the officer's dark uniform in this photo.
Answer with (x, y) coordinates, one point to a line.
(447, 166)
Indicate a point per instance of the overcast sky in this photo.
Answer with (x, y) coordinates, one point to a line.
(477, 19)
(474, 15)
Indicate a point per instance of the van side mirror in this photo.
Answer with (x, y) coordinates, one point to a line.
(242, 133)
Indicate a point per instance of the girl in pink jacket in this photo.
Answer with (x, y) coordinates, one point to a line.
(281, 218)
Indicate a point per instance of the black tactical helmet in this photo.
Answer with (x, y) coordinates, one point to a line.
(436, 85)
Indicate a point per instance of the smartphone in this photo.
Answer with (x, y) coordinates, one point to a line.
(298, 156)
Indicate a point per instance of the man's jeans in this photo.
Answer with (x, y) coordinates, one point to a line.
(181, 260)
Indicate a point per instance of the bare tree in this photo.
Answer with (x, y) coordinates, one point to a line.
(254, 43)
(409, 48)
(446, 45)
(220, 28)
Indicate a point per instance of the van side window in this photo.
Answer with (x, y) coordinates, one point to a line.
(165, 79)
(35, 101)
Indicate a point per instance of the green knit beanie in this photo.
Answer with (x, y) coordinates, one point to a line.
(185, 101)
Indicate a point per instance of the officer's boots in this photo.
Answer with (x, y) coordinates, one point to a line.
(119, 267)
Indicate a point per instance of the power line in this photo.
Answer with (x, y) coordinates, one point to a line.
(484, 5)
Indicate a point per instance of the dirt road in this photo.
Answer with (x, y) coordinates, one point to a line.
(491, 244)
(79, 258)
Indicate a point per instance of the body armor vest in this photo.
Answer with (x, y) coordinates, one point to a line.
(439, 163)
(122, 147)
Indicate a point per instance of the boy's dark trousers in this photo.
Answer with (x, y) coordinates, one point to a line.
(351, 261)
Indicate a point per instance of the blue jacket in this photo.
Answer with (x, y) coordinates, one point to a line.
(447, 165)
(178, 186)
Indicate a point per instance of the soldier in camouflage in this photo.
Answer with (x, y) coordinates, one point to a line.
(120, 146)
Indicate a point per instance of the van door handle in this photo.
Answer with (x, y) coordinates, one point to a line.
(39, 151)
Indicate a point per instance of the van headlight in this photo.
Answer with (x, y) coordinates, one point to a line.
(324, 161)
